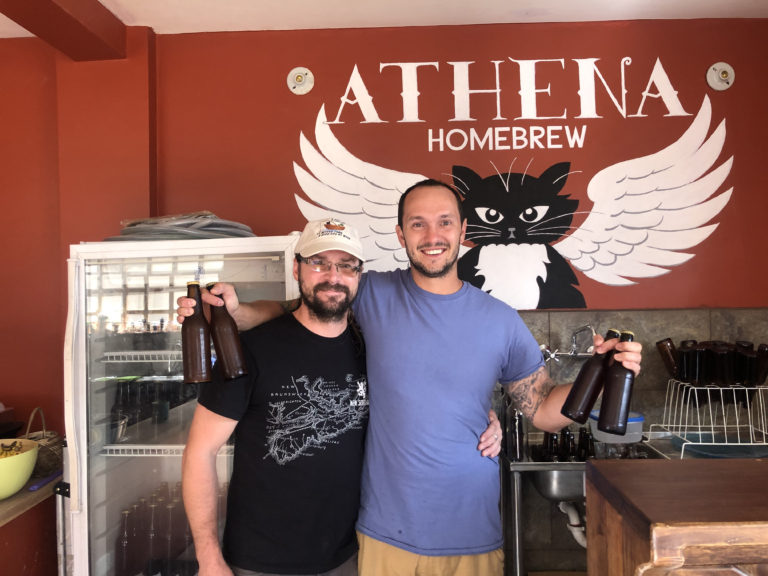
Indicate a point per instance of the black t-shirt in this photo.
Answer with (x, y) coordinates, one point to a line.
(302, 412)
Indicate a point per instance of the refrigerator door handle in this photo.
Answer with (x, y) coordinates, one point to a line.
(70, 338)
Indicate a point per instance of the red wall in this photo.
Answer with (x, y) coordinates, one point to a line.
(30, 342)
(205, 121)
(77, 149)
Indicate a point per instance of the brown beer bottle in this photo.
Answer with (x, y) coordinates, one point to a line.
(169, 539)
(226, 341)
(196, 340)
(614, 409)
(668, 354)
(123, 552)
(153, 549)
(586, 387)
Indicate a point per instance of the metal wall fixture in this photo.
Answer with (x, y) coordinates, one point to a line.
(300, 80)
(720, 76)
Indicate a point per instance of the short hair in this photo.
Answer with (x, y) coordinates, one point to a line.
(426, 183)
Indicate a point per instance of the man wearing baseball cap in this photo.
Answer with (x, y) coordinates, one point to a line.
(299, 420)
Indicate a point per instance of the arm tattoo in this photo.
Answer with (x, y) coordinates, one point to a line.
(528, 393)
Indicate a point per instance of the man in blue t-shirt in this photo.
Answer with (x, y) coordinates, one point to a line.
(435, 349)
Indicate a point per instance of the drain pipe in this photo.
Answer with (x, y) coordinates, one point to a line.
(575, 525)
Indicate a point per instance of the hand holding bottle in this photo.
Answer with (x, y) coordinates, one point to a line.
(586, 388)
(223, 295)
(628, 353)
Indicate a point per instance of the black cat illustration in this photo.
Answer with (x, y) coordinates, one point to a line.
(512, 219)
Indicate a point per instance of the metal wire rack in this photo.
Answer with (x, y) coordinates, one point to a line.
(712, 421)
(142, 356)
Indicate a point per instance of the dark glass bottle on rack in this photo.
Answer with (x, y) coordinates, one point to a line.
(567, 446)
(668, 354)
(553, 448)
(196, 340)
(169, 540)
(762, 364)
(152, 542)
(226, 342)
(586, 446)
(686, 362)
(614, 409)
(123, 550)
(586, 387)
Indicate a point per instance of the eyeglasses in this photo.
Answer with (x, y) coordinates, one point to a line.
(319, 265)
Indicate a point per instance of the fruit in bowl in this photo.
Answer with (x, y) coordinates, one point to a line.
(17, 460)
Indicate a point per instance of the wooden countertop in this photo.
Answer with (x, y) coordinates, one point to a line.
(24, 499)
(684, 491)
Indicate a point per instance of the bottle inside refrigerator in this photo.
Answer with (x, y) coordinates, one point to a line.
(127, 408)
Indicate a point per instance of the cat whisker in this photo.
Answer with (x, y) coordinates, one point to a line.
(480, 227)
(482, 230)
(522, 177)
(566, 175)
(566, 215)
(554, 235)
(457, 179)
(504, 182)
(551, 228)
(475, 236)
(546, 231)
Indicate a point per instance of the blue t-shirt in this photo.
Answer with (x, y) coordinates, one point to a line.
(433, 361)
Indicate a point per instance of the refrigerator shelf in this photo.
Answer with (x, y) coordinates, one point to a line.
(142, 356)
(155, 450)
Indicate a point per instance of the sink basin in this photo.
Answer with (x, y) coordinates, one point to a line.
(560, 485)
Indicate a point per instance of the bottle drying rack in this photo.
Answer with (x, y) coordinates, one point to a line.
(712, 422)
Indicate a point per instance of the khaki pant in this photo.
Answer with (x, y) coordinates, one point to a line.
(349, 568)
(375, 558)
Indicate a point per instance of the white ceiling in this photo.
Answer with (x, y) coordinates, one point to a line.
(183, 16)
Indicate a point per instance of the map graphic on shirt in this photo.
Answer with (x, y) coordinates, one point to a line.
(308, 414)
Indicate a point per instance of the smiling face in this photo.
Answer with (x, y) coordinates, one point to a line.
(432, 232)
(327, 294)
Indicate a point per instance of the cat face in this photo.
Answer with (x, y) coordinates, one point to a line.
(515, 208)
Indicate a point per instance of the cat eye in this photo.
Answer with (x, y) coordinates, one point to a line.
(533, 214)
(489, 215)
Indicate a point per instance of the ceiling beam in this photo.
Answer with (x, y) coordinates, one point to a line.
(81, 29)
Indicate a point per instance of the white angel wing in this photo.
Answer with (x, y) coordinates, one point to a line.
(362, 194)
(646, 209)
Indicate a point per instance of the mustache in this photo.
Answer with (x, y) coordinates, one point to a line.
(329, 286)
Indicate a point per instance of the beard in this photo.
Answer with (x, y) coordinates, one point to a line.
(326, 310)
(432, 272)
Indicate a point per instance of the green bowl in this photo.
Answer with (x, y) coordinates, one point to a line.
(15, 470)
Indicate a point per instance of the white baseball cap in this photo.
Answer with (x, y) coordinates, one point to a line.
(329, 234)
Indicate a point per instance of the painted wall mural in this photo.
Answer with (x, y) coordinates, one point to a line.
(599, 168)
(647, 214)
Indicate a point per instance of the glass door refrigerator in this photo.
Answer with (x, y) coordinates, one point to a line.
(127, 410)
